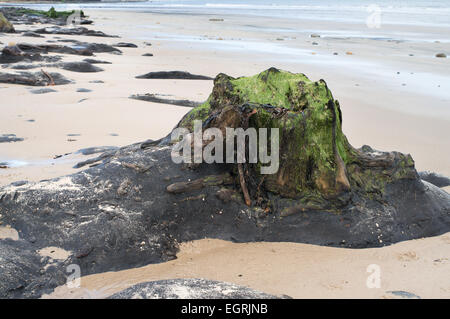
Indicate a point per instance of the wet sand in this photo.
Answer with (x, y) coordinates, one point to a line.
(419, 267)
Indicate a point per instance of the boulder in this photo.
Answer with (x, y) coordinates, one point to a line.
(438, 180)
(82, 66)
(73, 31)
(156, 98)
(189, 289)
(42, 91)
(24, 53)
(125, 45)
(7, 138)
(174, 75)
(78, 48)
(41, 78)
(94, 61)
(32, 34)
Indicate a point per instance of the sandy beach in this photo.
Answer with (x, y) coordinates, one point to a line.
(401, 120)
(394, 96)
(296, 270)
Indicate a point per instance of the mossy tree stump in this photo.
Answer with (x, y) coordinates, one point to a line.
(317, 163)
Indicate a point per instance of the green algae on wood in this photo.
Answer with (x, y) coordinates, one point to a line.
(317, 163)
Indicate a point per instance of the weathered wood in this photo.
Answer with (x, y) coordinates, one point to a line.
(211, 180)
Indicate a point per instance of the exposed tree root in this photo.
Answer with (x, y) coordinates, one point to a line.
(50, 78)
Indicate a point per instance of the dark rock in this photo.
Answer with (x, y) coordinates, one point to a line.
(435, 179)
(99, 47)
(6, 138)
(159, 99)
(93, 161)
(33, 79)
(78, 48)
(19, 183)
(13, 54)
(33, 66)
(96, 81)
(147, 54)
(93, 61)
(54, 48)
(98, 149)
(177, 75)
(80, 67)
(66, 40)
(82, 90)
(42, 91)
(32, 34)
(26, 66)
(125, 45)
(69, 66)
(189, 289)
(86, 22)
(441, 55)
(73, 31)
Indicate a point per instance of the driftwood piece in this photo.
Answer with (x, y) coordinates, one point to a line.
(159, 99)
(50, 78)
(173, 75)
(33, 79)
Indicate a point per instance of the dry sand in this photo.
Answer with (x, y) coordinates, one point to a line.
(383, 114)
